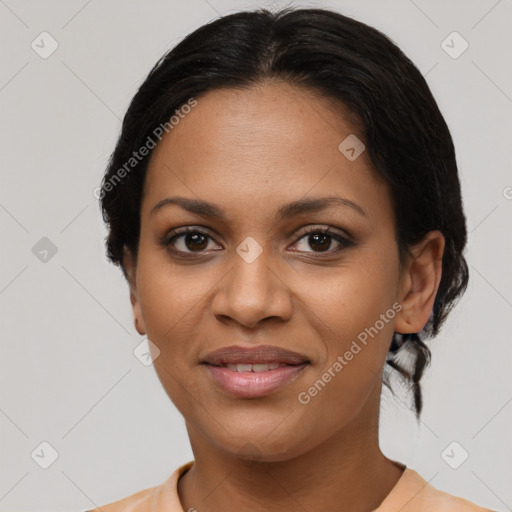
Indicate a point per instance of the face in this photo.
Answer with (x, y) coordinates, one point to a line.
(270, 262)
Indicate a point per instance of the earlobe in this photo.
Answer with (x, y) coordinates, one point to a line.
(130, 267)
(420, 283)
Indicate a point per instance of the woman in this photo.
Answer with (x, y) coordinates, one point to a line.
(284, 203)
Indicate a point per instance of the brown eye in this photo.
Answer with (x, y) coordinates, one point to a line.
(321, 240)
(195, 241)
(189, 241)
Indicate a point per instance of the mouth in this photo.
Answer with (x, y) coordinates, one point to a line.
(255, 356)
(256, 371)
(253, 367)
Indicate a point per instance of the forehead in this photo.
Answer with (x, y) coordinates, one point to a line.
(274, 113)
(273, 140)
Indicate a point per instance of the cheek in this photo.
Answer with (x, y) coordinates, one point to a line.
(354, 297)
(354, 314)
(171, 321)
(349, 371)
(172, 305)
(168, 298)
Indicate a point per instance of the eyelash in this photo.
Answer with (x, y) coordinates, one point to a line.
(344, 241)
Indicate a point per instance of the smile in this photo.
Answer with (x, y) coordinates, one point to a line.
(254, 380)
(257, 368)
(253, 371)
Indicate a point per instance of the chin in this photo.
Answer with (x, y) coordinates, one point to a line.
(264, 443)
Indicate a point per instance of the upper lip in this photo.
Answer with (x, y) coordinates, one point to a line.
(237, 354)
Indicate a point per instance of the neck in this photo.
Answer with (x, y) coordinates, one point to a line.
(346, 472)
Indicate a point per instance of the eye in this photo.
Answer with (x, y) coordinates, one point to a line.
(189, 240)
(320, 240)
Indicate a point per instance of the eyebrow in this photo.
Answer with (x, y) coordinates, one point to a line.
(301, 206)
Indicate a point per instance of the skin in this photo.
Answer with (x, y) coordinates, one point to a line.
(251, 151)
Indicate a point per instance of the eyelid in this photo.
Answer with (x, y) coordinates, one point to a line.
(324, 228)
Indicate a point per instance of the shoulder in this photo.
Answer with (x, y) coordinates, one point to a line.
(413, 493)
(163, 497)
(137, 502)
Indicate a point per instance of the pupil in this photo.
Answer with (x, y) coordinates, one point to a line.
(324, 241)
(195, 240)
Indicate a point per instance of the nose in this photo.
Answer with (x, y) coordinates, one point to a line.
(251, 293)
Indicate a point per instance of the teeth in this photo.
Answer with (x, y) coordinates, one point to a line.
(261, 367)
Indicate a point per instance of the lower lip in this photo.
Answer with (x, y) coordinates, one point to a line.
(254, 384)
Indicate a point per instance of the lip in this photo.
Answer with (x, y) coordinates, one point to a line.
(237, 354)
(254, 384)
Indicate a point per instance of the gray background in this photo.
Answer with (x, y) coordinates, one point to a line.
(68, 375)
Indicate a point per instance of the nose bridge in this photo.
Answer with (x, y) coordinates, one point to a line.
(252, 289)
(252, 270)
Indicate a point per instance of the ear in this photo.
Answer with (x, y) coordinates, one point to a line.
(130, 265)
(420, 282)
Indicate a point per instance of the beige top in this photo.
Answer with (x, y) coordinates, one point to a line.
(410, 494)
